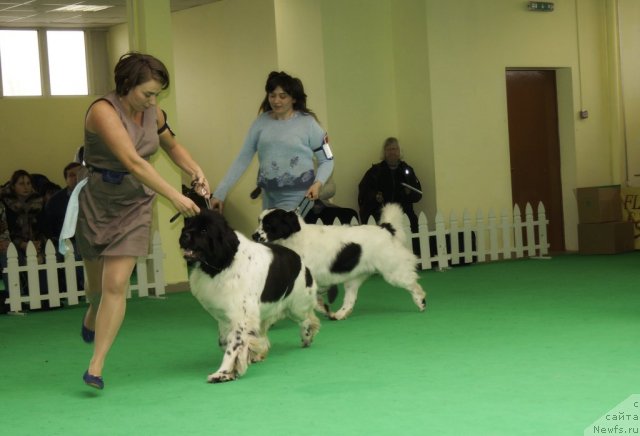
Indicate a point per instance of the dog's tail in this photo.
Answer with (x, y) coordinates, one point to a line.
(392, 219)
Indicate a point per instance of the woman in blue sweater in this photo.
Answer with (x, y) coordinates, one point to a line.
(287, 137)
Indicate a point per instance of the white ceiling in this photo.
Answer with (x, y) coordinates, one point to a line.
(39, 13)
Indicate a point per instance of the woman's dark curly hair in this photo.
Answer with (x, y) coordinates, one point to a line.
(134, 68)
(292, 86)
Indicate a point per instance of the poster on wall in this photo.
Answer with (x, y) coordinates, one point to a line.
(631, 210)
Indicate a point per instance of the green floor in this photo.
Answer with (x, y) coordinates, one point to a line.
(527, 347)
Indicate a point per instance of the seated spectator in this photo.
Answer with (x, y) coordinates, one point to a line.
(386, 182)
(54, 212)
(56, 207)
(24, 210)
(390, 181)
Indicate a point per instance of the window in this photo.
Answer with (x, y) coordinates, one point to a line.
(20, 62)
(67, 62)
(23, 53)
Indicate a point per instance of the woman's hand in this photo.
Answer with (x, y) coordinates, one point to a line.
(185, 206)
(314, 191)
(201, 186)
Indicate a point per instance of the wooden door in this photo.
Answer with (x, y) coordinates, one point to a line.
(535, 147)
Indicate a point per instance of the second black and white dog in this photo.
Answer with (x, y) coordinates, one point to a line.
(246, 287)
(347, 254)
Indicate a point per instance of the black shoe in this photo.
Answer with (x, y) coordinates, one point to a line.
(93, 380)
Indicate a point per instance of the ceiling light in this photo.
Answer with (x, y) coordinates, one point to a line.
(81, 8)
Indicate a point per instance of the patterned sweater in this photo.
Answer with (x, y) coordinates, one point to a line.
(285, 153)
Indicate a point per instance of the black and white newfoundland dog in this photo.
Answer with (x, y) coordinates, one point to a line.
(246, 287)
(344, 254)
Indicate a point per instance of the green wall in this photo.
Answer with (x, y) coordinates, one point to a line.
(40, 135)
(430, 72)
(427, 71)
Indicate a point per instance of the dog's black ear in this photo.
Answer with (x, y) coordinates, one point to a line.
(198, 199)
(222, 240)
(292, 222)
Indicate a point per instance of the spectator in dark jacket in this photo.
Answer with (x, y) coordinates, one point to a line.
(25, 220)
(24, 209)
(56, 207)
(390, 181)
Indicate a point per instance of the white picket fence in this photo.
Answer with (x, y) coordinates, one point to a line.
(482, 239)
(149, 272)
(451, 242)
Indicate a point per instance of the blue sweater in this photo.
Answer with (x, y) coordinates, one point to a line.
(285, 153)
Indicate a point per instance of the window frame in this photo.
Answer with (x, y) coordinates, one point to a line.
(43, 53)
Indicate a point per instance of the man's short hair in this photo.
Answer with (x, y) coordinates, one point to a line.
(70, 166)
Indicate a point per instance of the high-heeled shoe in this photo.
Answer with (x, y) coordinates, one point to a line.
(93, 380)
(88, 335)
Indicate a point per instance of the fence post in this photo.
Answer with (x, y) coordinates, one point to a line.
(531, 239)
(13, 275)
(480, 236)
(517, 231)
(423, 240)
(51, 267)
(157, 257)
(493, 235)
(507, 231)
(142, 274)
(33, 277)
(468, 237)
(542, 230)
(441, 242)
(454, 239)
(69, 265)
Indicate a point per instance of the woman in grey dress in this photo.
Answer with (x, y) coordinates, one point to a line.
(122, 130)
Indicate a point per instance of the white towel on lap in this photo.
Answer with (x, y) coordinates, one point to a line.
(70, 218)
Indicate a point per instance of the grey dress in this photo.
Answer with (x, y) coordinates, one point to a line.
(115, 219)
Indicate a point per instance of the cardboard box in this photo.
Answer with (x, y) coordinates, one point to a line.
(631, 210)
(599, 204)
(605, 238)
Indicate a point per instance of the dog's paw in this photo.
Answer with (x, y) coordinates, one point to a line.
(308, 340)
(257, 358)
(341, 314)
(424, 304)
(221, 377)
(421, 301)
(419, 297)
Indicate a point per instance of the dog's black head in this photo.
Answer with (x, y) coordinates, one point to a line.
(275, 224)
(208, 239)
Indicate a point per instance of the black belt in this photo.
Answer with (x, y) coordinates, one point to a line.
(110, 176)
(104, 170)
